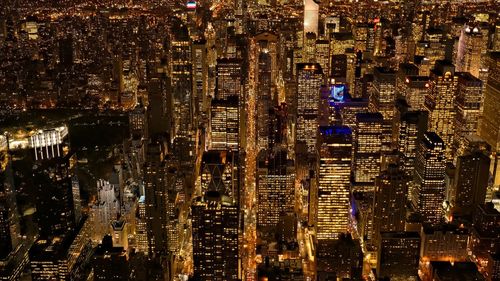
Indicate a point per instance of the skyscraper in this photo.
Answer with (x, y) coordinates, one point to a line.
(9, 216)
(335, 156)
(390, 201)
(311, 16)
(224, 124)
(215, 238)
(368, 146)
(469, 103)
(398, 255)
(384, 94)
(309, 78)
(275, 188)
(440, 102)
(428, 191)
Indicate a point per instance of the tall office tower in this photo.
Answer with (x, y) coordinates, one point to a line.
(405, 70)
(340, 42)
(368, 147)
(432, 49)
(215, 237)
(471, 181)
(309, 47)
(107, 207)
(228, 78)
(428, 189)
(335, 152)
(220, 172)
(159, 108)
(54, 198)
(200, 77)
(323, 56)
(445, 242)
(384, 94)
(451, 270)
(490, 124)
(141, 226)
(469, 103)
(470, 49)
(364, 35)
(138, 122)
(309, 78)
(390, 201)
(398, 256)
(349, 108)
(485, 239)
(440, 102)
(265, 81)
(414, 90)
(275, 188)
(180, 70)
(9, 216)
(61, 257)
(110, 262)
(412, 126)
(311, 16)
(342, 258)
(224, 124)
(66, 55)
(156, 196)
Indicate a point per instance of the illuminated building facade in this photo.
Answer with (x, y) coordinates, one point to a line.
(228, 78)
(490, 124)
(275, 188)
(215, 238)
(48, 144)
(265, 81)
(224, 124)
(384, 94)
(219, 172)
(309, 79)
(440, 102)
(311, 16)
(428, 191)
(444, 242)
(390, 201)
(200, 77)
(470, 50)
(469, 104)
(156, 197)
(414, 90)
(398, 256)
(368, 145)
(335, 152)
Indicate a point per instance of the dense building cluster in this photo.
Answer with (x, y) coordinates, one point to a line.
(226, 140)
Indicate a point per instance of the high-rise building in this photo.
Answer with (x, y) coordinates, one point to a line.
(490, 124)
(444, 242)
(412, 126)
(428, 191)
(335, 153)
(265, 81)
(414, 90)
(180, 70)
(9, 216)
(485, 239)
(390, 201)
(451, 270)
(54, 198)
(440, 102)
(469, 103)
(311, 16)
(229, 75)
(309, 79)
(398, 255)
(471, 181)
(219, 172)
(275, 188)
(224, 124)
(156, 196)
(110, 262)
(368, 146)
(470, 49)
(384, 92)
(215, 238)
(200, 77)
